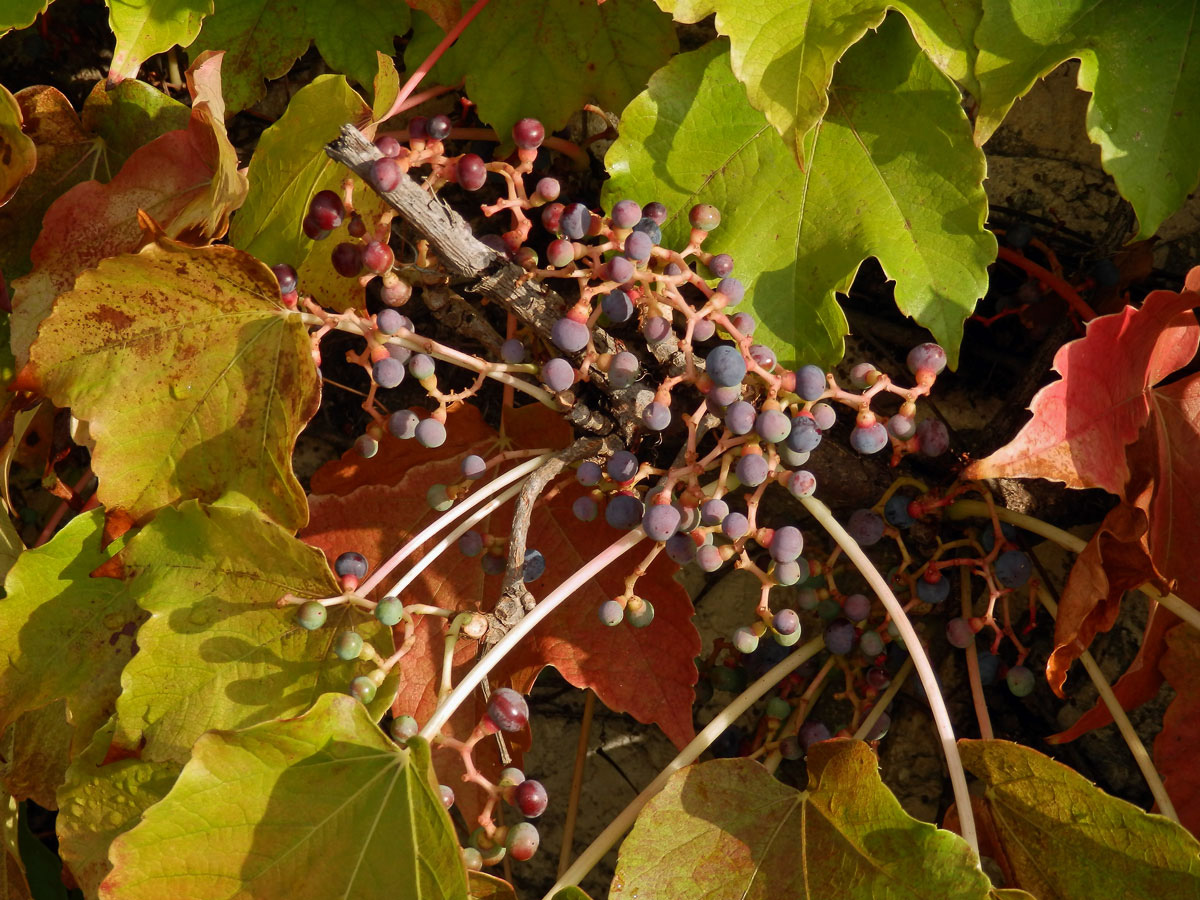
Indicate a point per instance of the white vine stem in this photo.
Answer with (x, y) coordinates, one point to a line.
(1140, 756)
(977, 509)
(585, 862)
(937, 704)
(547, 605)
(458, 510)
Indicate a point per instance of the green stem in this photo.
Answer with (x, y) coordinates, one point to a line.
(937, 704)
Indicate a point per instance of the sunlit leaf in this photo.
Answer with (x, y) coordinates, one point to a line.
(253, 809)
(216, 651)
(146, 27)
(193, 379)
(1066, 838)
(728, 828)
(64, 633)
(18, 154)
(1138, 62)
(913, 200)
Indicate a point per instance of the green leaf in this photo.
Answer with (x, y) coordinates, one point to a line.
(1066, 838)
(727, 828)
(571, 892)
(784, 51)
(482, 886)
(263, 38)
(146, 27)
(101, 799)
(217, 652)
(547, 58)
(129, 116)
(893, 174)
(254, 809)
(35, 750)
(193, 379)
(289, 166)
(64, 633)
(43, 868)
(1139, 64)
(20, 14)
(18, 153)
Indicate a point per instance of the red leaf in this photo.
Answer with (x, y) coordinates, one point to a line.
(648, 672)
(1140, 682)
(1175, 746)
(1165, 482)
(1082, 423)
(1115, 560)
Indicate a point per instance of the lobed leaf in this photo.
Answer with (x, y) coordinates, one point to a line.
(912, 200)
(784, 52)
(547, 58)
(1083, 423)
(254, 808)
(35, 750)
(65, 634)
(1136, 61)
(186, 180)
(21, 13)
(193, 379)
(727, 828)
(264, 38)
(1065, 838)
(216, 652)
(128, 116)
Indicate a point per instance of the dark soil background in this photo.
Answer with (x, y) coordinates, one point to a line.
(1042, 173)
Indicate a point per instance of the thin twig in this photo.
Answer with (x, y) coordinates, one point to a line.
(568, 830)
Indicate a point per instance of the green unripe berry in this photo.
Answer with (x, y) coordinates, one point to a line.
(638, 612)
(389, 610)
(523, 840)
(363, 689)
(311, 615)
(778, 708)
(348, 645)
(403, 728)
(472, 859)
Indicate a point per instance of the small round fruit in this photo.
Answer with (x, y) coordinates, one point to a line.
(348, 645)
(351, 563)
(528, 134)
(530, 798)
(403, 728)
(311, 615)
(522, 841)
(508, 710)
(389, 610)
(363, 689)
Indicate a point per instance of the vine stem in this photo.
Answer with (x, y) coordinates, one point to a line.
(423, 69)
(551, 602)
(937, 704)
(1136, 747)
(884, 699)
(730, 714)
(977, 509)
(499, 483)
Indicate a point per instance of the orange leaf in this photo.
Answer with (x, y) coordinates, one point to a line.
(1115, 560)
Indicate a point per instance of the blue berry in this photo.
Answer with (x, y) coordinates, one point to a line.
(740, 417)
(660, 521)
(403, 423)
(725, 366)
(734, 526)
(810, 382)
(388, 372)
(611, 613)
(804, 436)
(575, 222)
(558, 374)
(421, 366)
(896, 511)
(623, 511)
(512, 351)
(786, 544)
(589, 473)
(569, 335)
(752, 469)
(840, 637)
(351, 563)
(934, 592)
(473, 466)
(470, 543)
(622, 466)
(625, 214)
(712, 511)
(656, 416)
(681, 548)
(649, 227)
(585, 509)
(617, 306)
(430, 433)
(733, 290)
(1013, 568)
(869, 439)
(623, 370)
(786, 621)
(771, 425)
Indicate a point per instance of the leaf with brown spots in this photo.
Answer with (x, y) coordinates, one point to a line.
(192, 377)
(186, 180)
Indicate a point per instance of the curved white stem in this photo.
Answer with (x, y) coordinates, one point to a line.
(547, 605)
(937, 704)
(731, 713)
(499, 483)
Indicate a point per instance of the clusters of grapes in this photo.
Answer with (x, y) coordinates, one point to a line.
(655, 329)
